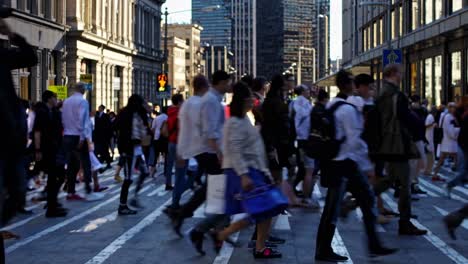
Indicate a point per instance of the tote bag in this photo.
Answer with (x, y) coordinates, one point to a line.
(215, 194)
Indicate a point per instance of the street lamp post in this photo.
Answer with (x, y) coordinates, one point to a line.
(299, 64)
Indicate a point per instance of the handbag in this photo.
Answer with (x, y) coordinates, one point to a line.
(215, 194)
(264, 202)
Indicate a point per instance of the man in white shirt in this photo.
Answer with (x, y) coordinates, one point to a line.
(302, 108)
(77, 141)
(188, 144)
(347, 169)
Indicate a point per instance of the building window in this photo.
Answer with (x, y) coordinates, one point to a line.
(401, 15)
(438, 9)
(187, 42)
(415, 14)
(438, 80)
(381, 30)
(457, 5)
(428, 92)
(414, 78)
(456, 87)
(428, 9)
(394, 25)
(375, 36)
(187, 55)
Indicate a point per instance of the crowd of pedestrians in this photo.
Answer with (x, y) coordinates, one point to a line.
(255, 155)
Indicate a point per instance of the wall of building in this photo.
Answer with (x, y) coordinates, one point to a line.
(244, 45)
(43, 26)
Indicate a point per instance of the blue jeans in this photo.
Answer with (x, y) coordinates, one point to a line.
(170, 161)
(462, 169)
(181, 183)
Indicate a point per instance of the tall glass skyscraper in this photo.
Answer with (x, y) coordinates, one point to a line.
(216, 23)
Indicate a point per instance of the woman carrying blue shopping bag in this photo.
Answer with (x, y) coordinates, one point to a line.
(249, 186)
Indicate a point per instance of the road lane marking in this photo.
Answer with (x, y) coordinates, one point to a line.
(120, 241)
(226, 251)
(433, 239)
(58, 226)
(156, 191)
(441, 191)
(464, 224)
(96, 223)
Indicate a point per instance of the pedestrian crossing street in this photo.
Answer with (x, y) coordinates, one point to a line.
(93, 233)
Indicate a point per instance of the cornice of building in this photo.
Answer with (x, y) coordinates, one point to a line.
(38, 20)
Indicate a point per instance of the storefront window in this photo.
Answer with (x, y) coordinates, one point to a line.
(456, 76)
(394, 25)
(381, 30)
(428, 9)
(438, 9)
(428, 94)
(437, 80)
(414, 14)
(414, 78)
(457, 5)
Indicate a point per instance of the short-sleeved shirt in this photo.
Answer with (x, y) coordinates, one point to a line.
(157, 124)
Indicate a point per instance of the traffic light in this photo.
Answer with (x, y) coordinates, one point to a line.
(162, 82)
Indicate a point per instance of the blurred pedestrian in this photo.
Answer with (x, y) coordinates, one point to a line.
(102, 135)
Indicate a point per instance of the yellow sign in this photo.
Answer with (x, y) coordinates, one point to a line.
(61, 91)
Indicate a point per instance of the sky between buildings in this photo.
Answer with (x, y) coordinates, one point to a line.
(335, 24)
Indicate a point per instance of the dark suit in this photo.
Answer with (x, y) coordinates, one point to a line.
(102, 136)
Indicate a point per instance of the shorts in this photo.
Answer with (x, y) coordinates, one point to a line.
(309, 163)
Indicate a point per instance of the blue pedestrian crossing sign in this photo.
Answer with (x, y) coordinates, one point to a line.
(392, 56)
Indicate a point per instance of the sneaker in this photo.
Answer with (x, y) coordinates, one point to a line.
(124, 210)
(266, 253)
(91, 197)
(253, 243)
(276, 240)
(118, 179)
(100, 189)
(196, 239)
(135, 203)
(407, 228)
(75, 197)
(331, 257)
(382, 251)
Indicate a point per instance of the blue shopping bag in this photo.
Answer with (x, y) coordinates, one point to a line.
(264, 202)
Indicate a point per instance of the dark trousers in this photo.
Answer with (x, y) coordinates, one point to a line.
(359, 186)
(398, 171)
(55, 176)
(129, 162)
(74, 158)
(102, 151)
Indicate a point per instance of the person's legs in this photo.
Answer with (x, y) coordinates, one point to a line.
(454, 220)
(461, 170)
(439, 164)
(170, 161)
(401, 170)
(52, 179)
(429, 163)
(86, 164)
(127, 161)
(180, 182)
(70, 144)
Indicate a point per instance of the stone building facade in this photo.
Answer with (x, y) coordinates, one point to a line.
(42, 23)
(116, 42)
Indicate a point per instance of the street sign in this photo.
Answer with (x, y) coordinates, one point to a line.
(88, 79)
(60, 90)
(162, 81)
(393, 56)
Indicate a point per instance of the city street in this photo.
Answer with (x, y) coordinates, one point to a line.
(93, 233)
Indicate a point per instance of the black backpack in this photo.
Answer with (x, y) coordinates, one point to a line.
(322, 143)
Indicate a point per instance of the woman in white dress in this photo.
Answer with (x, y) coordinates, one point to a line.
(449, 145)
(430, 125)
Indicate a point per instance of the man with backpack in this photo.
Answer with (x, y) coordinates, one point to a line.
(344, 160)
(391, 141)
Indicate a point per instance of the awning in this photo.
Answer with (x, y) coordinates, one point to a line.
(329, 80)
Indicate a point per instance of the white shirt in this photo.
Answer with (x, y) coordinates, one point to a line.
(189, 143)
(75, 117)
(349, 125)
(449, 141)
(430, 121)
(302, 107)
(157, 124)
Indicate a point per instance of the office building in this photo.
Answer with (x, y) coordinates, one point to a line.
(431, 35)
(43, 26)
(244, 36)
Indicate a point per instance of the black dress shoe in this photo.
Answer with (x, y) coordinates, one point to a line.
(382, 251)
(124, 210)
(407, 228)
(196, 238)
(57, 212)
(331, 257)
